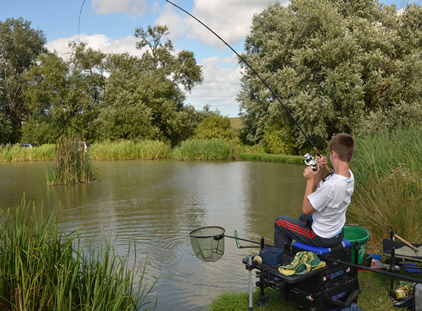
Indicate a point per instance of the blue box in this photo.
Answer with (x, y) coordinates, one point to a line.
(271, 256)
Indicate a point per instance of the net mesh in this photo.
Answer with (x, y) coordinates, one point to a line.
(208, 243)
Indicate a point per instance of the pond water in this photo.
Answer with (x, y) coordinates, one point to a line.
(157, 203)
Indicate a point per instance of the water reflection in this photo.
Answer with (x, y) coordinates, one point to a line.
(157, 203)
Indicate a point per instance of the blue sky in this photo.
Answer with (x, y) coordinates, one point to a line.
(109, 25)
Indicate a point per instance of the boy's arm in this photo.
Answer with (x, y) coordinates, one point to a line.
(321, 162)
(310, 175)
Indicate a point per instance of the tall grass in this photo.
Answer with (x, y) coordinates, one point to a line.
(43, 268)
(271, 158)
(130, 150)
(72, 163)
(388, 185)
(19, 154)
(204, 149)
(378, 155)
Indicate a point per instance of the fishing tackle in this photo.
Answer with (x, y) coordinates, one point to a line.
(262, 80)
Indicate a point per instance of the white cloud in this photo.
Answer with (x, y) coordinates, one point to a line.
(230, 19)
(220, 86)
(97, 42)
(130, 7)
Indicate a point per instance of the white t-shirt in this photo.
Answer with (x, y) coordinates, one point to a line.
(330, 201)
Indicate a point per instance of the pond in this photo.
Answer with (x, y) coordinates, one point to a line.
(157, 203)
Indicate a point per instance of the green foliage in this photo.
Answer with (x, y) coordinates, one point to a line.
(278, 141)
(335, 65)
(202, 149)
(130, 150)
(20, 154)
(388, 181)
(215, 126)
(72, 163)
(144, 96)
(44, 268)
(61, 101)
(20, 46)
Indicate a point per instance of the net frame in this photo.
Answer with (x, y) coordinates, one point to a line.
(208, 243)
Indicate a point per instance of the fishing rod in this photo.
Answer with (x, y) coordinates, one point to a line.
(262, 80)
(395, 235)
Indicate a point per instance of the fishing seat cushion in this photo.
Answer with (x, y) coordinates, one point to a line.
(319, 249)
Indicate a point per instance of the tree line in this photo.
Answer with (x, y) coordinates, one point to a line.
(99, 96)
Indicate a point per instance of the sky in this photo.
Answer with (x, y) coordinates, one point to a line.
(109, 25)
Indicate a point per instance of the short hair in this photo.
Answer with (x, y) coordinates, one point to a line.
(344, 145)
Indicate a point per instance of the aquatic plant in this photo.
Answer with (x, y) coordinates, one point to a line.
(20, 154)
(44, 268)
(204, 149)
(72, 163)
(130, 150)
(388, 182)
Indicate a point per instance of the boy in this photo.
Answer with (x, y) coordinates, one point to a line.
(323, 211)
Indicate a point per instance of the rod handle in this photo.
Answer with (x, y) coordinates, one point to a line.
(407, 243)
(318, 154)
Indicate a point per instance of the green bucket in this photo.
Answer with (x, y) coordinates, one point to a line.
(353, 233)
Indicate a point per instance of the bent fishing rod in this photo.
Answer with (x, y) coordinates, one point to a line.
(262, 80)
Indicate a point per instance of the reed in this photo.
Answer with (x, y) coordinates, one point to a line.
(378, 155)
(388, 183)
(44, 268)
(19, 154)
(271, 158)
(204, 149)
(72, 163)
(130, 150)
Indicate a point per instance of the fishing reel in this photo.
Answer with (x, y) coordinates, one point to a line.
(310, 161)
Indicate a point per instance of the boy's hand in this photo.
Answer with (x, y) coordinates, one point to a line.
(309, 173)
(321, 162)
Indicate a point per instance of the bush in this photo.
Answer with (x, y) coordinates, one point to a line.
(277, 140)
(215, 126)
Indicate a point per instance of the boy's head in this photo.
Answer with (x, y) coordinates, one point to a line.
(344, 145)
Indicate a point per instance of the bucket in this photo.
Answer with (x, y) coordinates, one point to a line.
(353, 233)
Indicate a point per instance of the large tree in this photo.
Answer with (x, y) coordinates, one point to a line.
(20, 45)
(334, 64)
(145, 95)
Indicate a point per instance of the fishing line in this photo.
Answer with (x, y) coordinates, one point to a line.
(79, 22)
(262, 80)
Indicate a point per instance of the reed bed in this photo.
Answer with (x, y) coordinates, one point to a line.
(388, 185)
(380, 154)
(72, 164)
(20, 154)
(204, 149)
(130, 150)
(43, 268)
(271, 158)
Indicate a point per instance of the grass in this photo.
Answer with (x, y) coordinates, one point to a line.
(388, 182)
(236, 123)
(43, 268)
(130, 150)
(19, 154)
(203, 149)
(271, 157)
(374, 296)
(71, 165)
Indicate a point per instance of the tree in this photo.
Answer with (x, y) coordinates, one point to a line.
(58, 100)
(332, 63)
(20, 46)
(145, 95)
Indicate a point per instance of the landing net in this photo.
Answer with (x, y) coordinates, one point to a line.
(208, 243)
